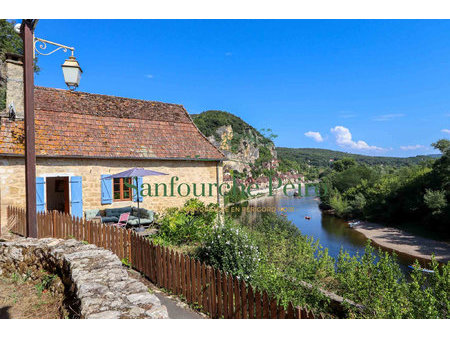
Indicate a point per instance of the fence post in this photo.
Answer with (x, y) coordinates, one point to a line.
(281, 312)
(219, 293)
(290, 311)
(265, 305)
(251, 299)
(230, 296)
(193, 281)
(205, 288)
(237, 296)
(54, 233)
(273, 308)
(243, 299)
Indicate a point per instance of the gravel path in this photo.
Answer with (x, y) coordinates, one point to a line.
(175, 307)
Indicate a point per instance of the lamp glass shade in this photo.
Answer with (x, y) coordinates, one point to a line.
(72, 72)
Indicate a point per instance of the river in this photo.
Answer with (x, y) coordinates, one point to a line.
(332, 232)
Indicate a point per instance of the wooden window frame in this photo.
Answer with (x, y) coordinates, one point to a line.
(122, 190)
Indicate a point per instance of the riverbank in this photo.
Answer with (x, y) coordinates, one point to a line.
(403, 242)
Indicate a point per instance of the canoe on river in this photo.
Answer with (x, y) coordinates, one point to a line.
(421, 269)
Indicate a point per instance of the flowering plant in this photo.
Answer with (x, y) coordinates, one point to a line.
(231, 249)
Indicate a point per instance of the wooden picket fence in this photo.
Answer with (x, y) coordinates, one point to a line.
(214, 292)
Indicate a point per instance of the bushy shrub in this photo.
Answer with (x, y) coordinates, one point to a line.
(234, 195)
(435, 200)
(339, 204)
(377, 282)
(189, 224)
(231, 249)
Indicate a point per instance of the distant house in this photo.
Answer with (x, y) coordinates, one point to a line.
(81, 137)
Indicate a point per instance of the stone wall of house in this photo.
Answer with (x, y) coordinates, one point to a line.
(12, 180)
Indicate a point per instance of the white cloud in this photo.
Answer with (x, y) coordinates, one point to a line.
(314, 135)
(149, 76)
(417, 146)
(344, 139)
(387, 117)
(447, 131)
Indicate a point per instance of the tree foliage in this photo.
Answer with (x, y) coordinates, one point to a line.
(418, 194)
(10, 42)
(209, 121)
(187, 225)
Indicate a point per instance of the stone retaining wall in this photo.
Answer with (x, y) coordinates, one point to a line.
(94, 277)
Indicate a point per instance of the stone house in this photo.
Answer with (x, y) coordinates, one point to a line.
(81, 137)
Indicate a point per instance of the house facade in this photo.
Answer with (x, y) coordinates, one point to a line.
(82, 138)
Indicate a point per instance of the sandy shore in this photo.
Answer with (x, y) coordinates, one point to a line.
(403, 242)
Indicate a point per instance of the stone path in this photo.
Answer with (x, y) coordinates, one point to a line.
(175, 307)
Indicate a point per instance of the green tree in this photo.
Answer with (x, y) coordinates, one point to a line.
(441, 167)
(344, 164)
(10, 42)
(435, 200)
(442, 145)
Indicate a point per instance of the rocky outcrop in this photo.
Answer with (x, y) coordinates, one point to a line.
(94, 277)
(242, 156)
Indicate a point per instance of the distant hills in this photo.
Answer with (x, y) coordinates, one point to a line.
(246, 142)
(321, 157)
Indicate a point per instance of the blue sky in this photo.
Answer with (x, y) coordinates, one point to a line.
(371, 87)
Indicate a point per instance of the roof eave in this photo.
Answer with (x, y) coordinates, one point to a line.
(120, 157)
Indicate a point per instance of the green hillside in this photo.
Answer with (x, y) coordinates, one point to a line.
(208, 122)
(321, 157)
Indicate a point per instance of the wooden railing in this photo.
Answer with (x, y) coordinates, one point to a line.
(214, 292)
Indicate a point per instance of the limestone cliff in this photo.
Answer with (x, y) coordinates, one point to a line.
(245, 148)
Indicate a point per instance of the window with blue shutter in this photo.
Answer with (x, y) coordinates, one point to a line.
(76, 196)
(139, 189)
(106, 184)
(40, 194)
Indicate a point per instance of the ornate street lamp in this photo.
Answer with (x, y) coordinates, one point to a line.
(71, 68)
(72, 72)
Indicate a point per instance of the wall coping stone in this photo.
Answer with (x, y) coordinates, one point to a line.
(96, 276)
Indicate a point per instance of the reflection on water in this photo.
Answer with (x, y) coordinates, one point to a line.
(332, 232)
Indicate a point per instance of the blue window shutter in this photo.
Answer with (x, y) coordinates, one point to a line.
(140, 182)
(107, 197)
(76, 196)
(139, 189)
(40, 194)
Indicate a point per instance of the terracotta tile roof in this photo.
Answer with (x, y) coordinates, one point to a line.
(91, 125)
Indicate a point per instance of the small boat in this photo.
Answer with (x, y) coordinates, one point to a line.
(307, 217)
(421, 269)
(353, 223)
